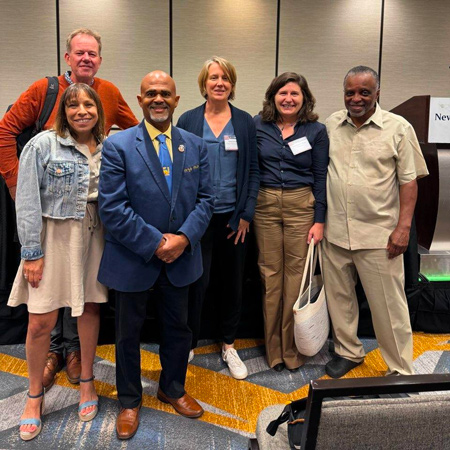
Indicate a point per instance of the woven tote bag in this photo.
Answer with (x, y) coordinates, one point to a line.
(311, 321)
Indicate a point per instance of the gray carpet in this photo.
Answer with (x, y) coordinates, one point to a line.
(231, 406)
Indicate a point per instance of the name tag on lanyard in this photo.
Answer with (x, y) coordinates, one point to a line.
(230, 142)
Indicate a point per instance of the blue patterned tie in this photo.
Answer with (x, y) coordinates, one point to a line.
(166, 162)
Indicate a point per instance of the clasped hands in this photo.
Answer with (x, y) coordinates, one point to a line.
(171, 247)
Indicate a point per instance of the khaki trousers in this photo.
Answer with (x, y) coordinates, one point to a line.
(282, 222)
(383, 283)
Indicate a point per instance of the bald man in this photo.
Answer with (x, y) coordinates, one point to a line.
(155, 201)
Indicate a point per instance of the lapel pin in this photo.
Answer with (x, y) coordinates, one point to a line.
(181, 148)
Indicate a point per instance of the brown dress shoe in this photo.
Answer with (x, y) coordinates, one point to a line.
(73, 366)
(186, 405)
(53, 365)
(127, 422)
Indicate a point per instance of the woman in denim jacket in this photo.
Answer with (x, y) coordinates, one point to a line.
(62, 242)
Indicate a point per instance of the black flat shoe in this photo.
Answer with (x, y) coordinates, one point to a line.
(278, 367)
(338, 367)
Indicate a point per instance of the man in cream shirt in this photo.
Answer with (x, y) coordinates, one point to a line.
(375, 161)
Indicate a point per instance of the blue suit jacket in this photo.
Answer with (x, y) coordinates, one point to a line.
(136, 208)
(247, 177)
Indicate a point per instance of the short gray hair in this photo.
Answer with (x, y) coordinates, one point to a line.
(363, 69)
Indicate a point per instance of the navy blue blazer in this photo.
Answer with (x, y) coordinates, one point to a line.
(247, 185)
(136, 208)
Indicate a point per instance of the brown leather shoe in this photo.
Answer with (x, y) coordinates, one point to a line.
(127, 422)
(186, 405)
(73, 366)
(53, 365)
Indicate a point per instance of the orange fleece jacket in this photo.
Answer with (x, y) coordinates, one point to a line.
(26, 110)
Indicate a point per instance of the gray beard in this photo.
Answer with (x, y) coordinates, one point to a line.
(360, 114)
(159, 119)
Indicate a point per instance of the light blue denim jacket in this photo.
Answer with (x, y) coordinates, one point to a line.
(53, 182)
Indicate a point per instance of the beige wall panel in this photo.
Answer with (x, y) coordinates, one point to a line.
(416, 50)
(28, 46)
(323, 39)
(135, 38)
(243, 32)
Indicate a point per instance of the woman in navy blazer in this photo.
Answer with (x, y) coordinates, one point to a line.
(230, 136)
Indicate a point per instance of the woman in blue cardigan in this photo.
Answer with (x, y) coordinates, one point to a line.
(230, 136)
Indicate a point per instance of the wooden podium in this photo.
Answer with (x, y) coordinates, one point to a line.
(433, 208)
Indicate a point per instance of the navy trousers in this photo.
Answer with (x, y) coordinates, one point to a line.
(175, 343)
(225, 260)
(65, 334)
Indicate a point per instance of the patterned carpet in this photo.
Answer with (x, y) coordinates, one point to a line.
(231, 406)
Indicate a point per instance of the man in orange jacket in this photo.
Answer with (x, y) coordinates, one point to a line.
(83, 55)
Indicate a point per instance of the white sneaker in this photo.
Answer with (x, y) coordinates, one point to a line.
(191, 356)
(235, 365)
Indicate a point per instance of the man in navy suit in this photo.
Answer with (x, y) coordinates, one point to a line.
(155, 201)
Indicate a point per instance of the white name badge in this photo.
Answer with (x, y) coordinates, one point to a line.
(230, 143)
(300, 145)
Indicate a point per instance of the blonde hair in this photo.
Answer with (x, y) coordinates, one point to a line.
(228, 69)
(87, 31)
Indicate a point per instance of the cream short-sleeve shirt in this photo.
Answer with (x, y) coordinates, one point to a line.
(367, 166)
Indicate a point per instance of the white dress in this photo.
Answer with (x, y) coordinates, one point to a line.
(73, 250)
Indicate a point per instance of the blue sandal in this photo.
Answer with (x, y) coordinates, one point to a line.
(28, 435)
(89, 416)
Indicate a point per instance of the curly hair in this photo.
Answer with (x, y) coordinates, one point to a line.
(306, 114)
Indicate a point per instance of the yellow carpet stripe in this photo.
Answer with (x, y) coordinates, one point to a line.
(430, 342)
(242, 400)
(11, 364)
(237, 397)
(151, 370)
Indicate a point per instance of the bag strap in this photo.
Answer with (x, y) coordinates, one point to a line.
(289, 414)
(319, 251)
(312, 269)
(49, 104)
(284, 417)
(305, 271)
(310, 266)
